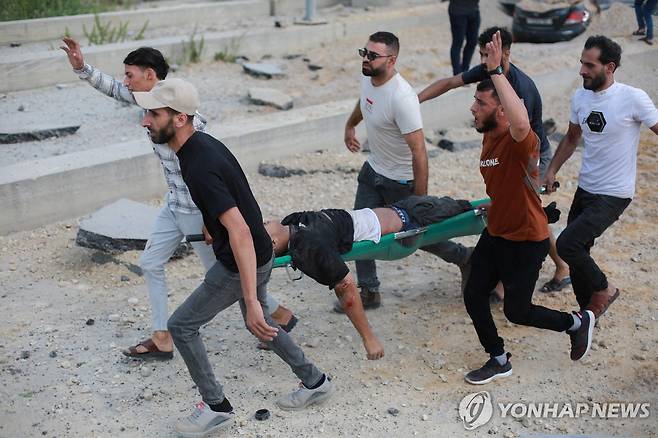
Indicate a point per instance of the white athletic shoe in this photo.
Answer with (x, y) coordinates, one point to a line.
(203, 421)
(304, 397)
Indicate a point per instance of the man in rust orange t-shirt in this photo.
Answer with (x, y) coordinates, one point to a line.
(515, 243)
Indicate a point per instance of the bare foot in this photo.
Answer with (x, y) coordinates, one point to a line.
(282, 315)
(162, 339)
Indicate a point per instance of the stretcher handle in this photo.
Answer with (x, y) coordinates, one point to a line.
(291, 273)
(543, 190)
(195, 238)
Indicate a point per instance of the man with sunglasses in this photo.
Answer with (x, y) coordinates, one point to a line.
(397, 165)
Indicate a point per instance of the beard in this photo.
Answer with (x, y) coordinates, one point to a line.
(367, 70)
(164, 134)
(594, 83)
(488, 124)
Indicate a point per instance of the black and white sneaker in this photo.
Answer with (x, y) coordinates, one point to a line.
(581, 339)
(491, 370)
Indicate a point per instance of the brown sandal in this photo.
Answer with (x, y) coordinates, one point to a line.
(152, 352)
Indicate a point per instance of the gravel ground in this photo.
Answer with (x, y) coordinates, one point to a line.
(62, 373)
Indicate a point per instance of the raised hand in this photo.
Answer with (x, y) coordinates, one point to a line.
(494, 51)
(72, 49)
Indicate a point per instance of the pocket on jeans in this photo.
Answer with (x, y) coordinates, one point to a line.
(363, 176)
(614, 204)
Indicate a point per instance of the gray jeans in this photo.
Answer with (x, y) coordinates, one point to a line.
(219, 290)
(375, 190)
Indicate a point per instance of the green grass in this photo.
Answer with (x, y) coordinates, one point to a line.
(26, 9)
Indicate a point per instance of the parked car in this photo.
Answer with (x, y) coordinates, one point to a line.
(547, 21)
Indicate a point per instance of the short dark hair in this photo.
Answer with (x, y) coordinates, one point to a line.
(148, 57)
(387, 38)
(488, 85)
(610, 50)
(505, 36)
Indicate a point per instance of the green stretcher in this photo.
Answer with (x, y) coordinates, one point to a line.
(399, 245)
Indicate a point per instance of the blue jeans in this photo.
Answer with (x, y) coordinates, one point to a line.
(589, 216)
(463, 26)
(375, 190)
(643, 11)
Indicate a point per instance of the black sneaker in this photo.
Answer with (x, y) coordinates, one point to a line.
(369, 300)
(490, 371)
(581, 339)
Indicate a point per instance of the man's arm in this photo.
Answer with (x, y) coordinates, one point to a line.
(242, 245)
(654, 128)
(564, 150)
(104, 83)
(350, 301)
(515, 110)
(350, 128)
(436, 89)
(416, 142)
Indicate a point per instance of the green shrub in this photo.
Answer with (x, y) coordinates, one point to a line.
(26, 9)
(193, 49)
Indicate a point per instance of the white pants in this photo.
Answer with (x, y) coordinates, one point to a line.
(169, 229)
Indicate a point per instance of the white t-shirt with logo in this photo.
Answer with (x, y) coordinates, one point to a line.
(390, 111)
(610, 121)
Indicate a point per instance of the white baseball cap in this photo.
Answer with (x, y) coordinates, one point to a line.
(176, 94)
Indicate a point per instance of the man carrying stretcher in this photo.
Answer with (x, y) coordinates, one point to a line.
(315, 241)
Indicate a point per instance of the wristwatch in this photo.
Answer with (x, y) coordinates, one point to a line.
(496, 71)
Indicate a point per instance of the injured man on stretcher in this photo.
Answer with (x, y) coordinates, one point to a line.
(315, 241)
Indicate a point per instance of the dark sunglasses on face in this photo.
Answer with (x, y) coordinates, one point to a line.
(371, 55)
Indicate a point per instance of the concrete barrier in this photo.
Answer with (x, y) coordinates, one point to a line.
(33, 70)
(44, 29)
(67, 186)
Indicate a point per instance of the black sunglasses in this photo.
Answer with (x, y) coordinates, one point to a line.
(371, 55)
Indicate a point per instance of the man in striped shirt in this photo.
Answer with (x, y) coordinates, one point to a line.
(179, 216)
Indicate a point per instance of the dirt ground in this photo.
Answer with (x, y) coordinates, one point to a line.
(68, 310)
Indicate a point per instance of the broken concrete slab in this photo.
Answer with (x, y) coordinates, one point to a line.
(263, 69)
(270, 97)
(276, 171)
(124, 225)
(36, 134)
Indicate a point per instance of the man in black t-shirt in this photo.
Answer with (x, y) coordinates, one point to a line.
(243, 249)
(526, 89)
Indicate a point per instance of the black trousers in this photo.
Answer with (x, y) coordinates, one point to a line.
(517, 265)
(463, 26)
(590, 215)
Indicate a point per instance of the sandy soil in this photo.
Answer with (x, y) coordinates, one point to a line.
(61, 375)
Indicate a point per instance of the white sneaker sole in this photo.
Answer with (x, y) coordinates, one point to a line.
(222, 425)
(490, 379)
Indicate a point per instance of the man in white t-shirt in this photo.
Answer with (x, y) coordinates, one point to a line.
(397, 165)
(608, 115)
